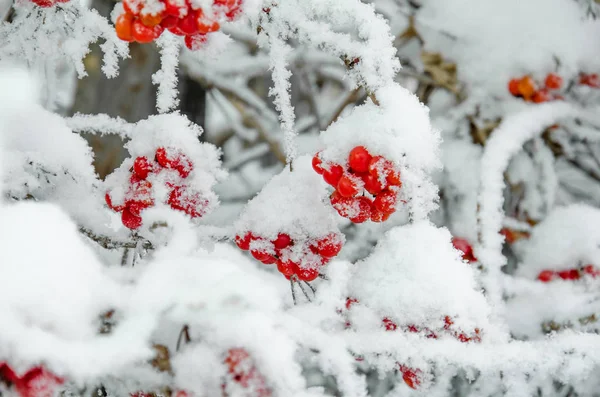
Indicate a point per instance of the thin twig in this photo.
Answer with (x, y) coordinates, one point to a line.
(304, 292)
(293, 292)
(311, 287)
(183, 334)
(108, 243)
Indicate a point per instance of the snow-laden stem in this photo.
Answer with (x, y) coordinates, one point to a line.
(280, 53)
(505, 142)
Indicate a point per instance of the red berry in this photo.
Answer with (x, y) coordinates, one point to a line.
(591, 270)
(142, 167)
(541, 96)
(287, 268)
(144, 34)
(43, 3)
(546, 276)
(176, 31)
(7, 375)
(591, 80)
(359, 159)
(38, 382)
(513, 87)
(189, 24)
(347, 187)
(553, 81)
(307, 274)
(463, 245)
(333, 174)
(379, 167)
(263, 256)
(316, 164)
(189, 201)
(389, 324)
(362, 210)
(244, 242)
(174, 159)
(282, 241)
(235, 358)
(386, 202)
(116, 208)
(174, 7)
(195, 41)
(350, 302)
(133, 7)
(410, 376)
(378, 216)
(169, 22)
(330, 245)
(130, 220)
(372, 184)
(570, 274)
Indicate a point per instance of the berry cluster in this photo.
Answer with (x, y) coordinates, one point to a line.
(145, 22)
(139, 194)
(242, 372)
(48, 3)
(591, 80)
(465, 247)
(301, 258)
(411, 376)
(526, 88)
(366, 189)
(573, 274)
(36, 382)
(445, 328)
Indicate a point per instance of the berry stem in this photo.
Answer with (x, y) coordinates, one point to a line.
(183, 334)
(292, 279)
(311, 287)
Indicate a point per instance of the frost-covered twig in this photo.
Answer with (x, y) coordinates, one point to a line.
(109, 243)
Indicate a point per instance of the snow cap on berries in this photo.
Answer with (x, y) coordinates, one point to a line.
(568, 237)
(292, 202)
(409, 281)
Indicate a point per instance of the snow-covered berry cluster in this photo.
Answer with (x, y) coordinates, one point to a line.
(302, 258)
(139, 194)
(143, 21)
(243, 374)
(569, 274)
(526, 88)
(36, 382)
(48, 3)
(366, 188)
(290, 224)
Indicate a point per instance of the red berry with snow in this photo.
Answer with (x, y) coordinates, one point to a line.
(332, 174)
(307, 274)
(347, 186)
(330, 246)
(465, 247)
(316, 164)
(244, 242)
(385, 202)
(142, 167)
(553, 81)
(282, 241)
(546, 276)
(184, 198)
(130, 220)
(359, 159)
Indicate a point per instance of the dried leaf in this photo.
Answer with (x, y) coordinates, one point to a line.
(162, 360)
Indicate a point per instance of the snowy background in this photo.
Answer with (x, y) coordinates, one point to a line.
(144, 183)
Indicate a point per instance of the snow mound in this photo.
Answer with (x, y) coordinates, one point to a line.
(568, 237)
(407, 281)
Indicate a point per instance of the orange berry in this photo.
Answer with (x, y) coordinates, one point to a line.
(527, 87)
(123, 27)
(541, 96)
(151, 20)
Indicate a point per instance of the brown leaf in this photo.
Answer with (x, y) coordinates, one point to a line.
(162, 360)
